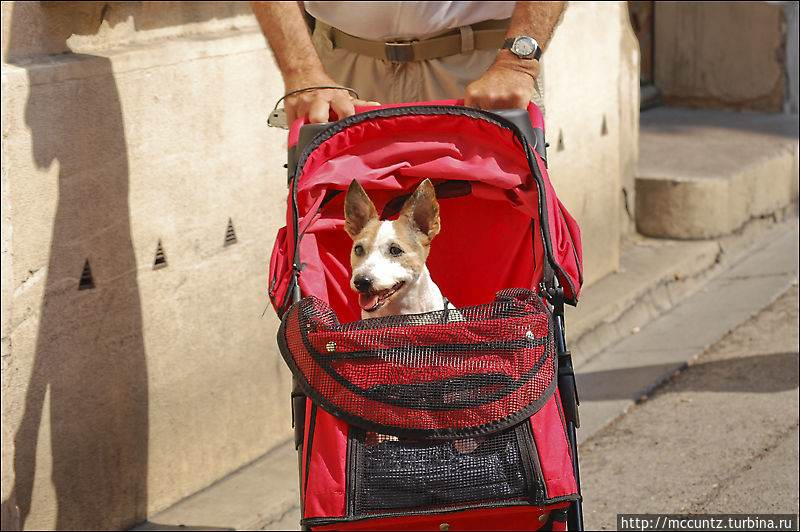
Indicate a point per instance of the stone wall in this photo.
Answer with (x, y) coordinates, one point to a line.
(591, 76)
(723, 54)
(141, 194)
(128, 385)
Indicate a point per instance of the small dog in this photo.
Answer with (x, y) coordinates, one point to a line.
(388, 257)
(388, 262)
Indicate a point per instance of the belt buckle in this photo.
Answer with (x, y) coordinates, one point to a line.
(399, 52)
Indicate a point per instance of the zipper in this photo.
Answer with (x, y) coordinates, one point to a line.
(309, 444)
(530, 463)
(355, 468)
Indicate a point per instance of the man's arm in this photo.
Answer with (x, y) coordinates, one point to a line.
(508, 83)
(284, 26)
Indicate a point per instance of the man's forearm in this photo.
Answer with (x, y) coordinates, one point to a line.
(509, 82)
(284, 26)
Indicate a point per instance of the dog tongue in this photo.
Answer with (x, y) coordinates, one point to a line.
(367, 301)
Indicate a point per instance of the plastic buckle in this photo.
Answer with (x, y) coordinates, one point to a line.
(569, 389)
(277, 118)
(555, 296)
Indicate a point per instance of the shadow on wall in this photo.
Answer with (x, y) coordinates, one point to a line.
(90, 353)
(84, 18)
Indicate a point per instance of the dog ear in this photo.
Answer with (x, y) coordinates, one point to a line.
(358, 209)
(422, 210)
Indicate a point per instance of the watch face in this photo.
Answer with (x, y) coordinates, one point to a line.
(524, 47)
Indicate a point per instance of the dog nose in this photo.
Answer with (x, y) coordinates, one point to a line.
(363, 283)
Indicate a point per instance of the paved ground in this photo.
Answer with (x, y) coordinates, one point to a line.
(611, 380)
(719, 437)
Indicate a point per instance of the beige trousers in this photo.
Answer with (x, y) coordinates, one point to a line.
(416, 81)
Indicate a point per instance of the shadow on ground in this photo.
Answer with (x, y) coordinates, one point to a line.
(765, 373)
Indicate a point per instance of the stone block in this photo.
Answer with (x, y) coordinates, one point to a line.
(702, 58)
(703, 173)
(589, 128)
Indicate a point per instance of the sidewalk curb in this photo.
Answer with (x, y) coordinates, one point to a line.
(653, 277)
(616, 378)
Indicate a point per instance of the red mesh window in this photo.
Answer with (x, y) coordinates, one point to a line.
(447, 374)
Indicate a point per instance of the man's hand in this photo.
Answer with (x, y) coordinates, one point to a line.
(508, 84)
(318, 103)
(285, 28)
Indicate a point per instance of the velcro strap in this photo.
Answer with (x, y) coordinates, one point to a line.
(467, 39)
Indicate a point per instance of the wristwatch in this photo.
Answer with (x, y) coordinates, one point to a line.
(523, 47)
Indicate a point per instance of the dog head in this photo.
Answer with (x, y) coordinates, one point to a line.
(388, 257)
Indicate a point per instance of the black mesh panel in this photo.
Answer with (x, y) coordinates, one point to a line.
(402, 474)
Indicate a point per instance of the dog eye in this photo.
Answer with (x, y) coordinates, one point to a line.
(395, 251)
(358, 250)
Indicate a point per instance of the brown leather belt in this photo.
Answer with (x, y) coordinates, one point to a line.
(487, 35)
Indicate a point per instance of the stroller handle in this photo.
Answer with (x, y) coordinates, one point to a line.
(533, 133)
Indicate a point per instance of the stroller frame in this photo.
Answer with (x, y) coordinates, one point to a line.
(532, 138)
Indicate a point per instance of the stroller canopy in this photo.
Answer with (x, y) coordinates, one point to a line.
(502, 224)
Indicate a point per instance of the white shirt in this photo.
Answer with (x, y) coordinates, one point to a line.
(378, 21)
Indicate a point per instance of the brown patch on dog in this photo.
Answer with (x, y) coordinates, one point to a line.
(366, 239)
(415, 250)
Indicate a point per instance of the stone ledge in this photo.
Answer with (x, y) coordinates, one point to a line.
(35, 29)
(654, 276)
(139, 55)
(704, 173)
(618, 377)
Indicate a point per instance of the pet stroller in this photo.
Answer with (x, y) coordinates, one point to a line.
(381, 405)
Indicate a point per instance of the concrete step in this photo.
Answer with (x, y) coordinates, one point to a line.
(654, 275)
(614, 379)
(704, 173)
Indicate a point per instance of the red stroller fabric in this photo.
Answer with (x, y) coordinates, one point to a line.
(502, 227)
(493, 192)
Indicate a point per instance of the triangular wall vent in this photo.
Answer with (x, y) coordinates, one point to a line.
(87, 281)
(161, 257)
(230, 234)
